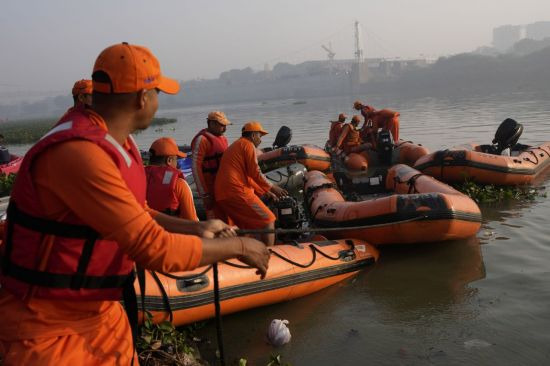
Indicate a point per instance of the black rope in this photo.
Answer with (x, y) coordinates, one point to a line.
(531, 161)
(164, 294)
(219, 329)
(296, 263)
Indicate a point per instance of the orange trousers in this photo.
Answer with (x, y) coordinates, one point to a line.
(110, 343)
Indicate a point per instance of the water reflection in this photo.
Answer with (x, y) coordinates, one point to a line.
(409, 281)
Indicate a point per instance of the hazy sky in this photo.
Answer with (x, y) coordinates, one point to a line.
(48, 44)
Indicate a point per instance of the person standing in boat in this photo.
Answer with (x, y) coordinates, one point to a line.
(78, 224)
(207, 149)
(240, 182)
(82, 93)
(384, 119)
(167, 190)
(336, 130)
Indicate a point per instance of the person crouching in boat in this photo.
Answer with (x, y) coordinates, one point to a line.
(349, 140)
(78, 224)
(167, 190)
(384, 119)
(207, 149)
(240, 182)
(82, 93)
(335, 130)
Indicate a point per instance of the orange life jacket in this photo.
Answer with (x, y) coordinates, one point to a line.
(161, 183)
(352, 138)
(80, 265)
(335, 131)
(218, 144)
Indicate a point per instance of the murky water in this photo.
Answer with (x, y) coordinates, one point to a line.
(483, 301)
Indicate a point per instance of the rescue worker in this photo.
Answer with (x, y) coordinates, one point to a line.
(349, 140)
(336, 129)
(77, 224)
(167, 190)
(82, 93)
(385, 119)
(207, 149)
(240, 182)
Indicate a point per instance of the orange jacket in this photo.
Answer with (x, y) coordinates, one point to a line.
(385, 118)
(348, 138)
(78, 178)
(207, 150)
(239, 165)
(335, 131)
(168, 192)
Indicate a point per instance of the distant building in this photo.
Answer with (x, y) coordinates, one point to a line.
(506, 36)
(538, 31)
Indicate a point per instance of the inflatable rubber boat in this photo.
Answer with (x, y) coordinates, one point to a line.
(294, 271)
(311, 156)
(415, 208)
(469, 163)
(505, 162)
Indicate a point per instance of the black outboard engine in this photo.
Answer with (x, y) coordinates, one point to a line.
(4, 155)
(283, 137)
(507, 135)
(384, 147)
(288, 213)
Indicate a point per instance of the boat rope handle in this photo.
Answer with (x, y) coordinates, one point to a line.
(547, 153)
(531, 161)
(217, 310)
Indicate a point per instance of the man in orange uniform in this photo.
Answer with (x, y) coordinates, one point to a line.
(78, 223)
(336, 129)
(208, 147)
(349, 140)
(167, 190)
(385, 119)
(240, 181)
(82, 93)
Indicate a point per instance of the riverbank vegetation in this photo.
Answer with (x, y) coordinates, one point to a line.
(29, 131)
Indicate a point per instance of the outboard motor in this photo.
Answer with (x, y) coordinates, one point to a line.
(507, 135)
(384, 147)
(283, 137)
(288, 213)
(4, 155)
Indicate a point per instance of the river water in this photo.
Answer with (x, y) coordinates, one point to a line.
(482, 301)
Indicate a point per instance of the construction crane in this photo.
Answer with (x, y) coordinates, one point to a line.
(330, 52)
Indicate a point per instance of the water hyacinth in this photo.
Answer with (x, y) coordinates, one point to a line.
(278, 332)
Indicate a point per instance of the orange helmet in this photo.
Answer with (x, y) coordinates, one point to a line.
(355, 119)
(357, 105)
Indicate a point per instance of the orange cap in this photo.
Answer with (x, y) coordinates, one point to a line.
(131, 68)
(342, 117)
(218, 117)
(357, 104)
(83, 86)
(254, 126)
(166, 146)
(355, 118)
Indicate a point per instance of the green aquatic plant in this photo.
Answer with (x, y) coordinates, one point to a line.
(29, 131)
(490, 193)
(164, 344)
(6, 183)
